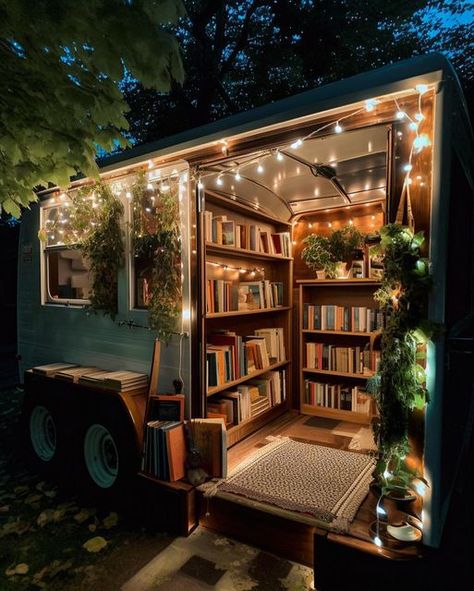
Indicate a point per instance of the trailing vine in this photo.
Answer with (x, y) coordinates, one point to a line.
(156, 241)
(400, 384)
(91, 222)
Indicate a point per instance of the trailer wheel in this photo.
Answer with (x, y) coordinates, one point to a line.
(44, 436)
(109, 457)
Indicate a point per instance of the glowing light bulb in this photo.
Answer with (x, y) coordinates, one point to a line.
(128, 195)
(421, 88)
(165, 187)
(279, 156)
(237, 176)
(150, 164)
(219, 181)
(386, 474)
(242, 271)
(407, 167)
(310, 225)
(338, 128)
(200, 185)
(421, 141)
(401, 114)
(413, 126)
(419, 116)
(295, 145)
(260, 168)
(370, 104)
(329, 225)
(149, 187)
(381, 510)
(351, 222)
(378, 542)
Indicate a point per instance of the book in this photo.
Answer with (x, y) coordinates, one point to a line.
(176, 452)
(74, 373)
(210, 437)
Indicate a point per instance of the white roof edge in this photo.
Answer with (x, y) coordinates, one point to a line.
(398, 77)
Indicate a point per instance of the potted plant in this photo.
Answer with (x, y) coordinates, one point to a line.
(343, 244)
(317, 255)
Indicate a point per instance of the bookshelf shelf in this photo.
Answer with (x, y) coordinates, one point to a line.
(231, 275)
(330, 387)
(239, 252)
(342, 374)
(348, 333)
(246, 312)
(249, 376)
(334, 413)
(340, 282)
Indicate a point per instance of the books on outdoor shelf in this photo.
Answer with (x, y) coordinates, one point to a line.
(259, 238)
(51, 369)
(230, 356)
(250, 399)
(210, 437)
(74, 373)
(341, 318)
(119, 381)
(221, 296)
(355, 360)
(164, 450)
(338, 396)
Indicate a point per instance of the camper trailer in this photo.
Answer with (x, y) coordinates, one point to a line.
(394, 144)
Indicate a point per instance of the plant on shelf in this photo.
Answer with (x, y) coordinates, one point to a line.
(317, 255)
(399, 387)
(93, 224)
(156, 241)
(333, 253)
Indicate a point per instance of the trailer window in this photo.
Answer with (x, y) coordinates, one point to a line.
(67, 277)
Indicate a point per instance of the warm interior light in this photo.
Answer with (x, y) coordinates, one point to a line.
(279, 156)
(338, 128)
(296, 144)
(401, 114)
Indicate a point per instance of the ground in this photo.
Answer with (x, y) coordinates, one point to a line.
(51, 540)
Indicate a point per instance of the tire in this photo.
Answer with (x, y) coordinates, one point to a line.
(109, 459)
(44, 435)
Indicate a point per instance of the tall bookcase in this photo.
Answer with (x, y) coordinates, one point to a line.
(236, 264)
(350, 293)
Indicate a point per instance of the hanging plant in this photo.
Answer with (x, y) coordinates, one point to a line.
(93, 225)
(156, 241)
(400, 384)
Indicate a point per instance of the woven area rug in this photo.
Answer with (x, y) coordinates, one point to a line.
(328, 483)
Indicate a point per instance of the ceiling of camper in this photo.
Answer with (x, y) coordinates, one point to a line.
(296, 181)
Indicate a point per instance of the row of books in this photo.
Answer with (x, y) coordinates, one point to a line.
(164, 450)
(341, 318)
(119, 381)
(260, 238)
(230, 356)
(355, 360)
(338, 396)
(250, 399)
(228, 296)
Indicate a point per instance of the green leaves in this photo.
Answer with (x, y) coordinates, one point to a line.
(60, 84)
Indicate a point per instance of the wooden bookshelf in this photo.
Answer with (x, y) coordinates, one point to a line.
(234, 264)
(247, 312)
(339, 292)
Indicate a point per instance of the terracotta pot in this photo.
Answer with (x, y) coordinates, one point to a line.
(320, 274)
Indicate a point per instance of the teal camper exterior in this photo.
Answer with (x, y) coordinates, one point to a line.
(60, 329)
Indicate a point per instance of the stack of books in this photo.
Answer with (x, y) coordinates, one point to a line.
(342, 359)
(164, 452)
(259, 238)
(51, 369)
(119, 381)
(337, 396)
(341, 318)
(230, 356)
(73, 374)
(249, 400)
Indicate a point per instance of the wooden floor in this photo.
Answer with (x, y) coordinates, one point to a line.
(323, 432)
